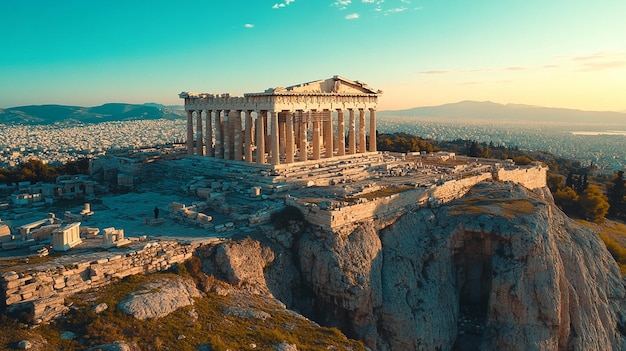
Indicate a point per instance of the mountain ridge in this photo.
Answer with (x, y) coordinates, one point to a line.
(491, 111)
(108, 112)
(467, 109)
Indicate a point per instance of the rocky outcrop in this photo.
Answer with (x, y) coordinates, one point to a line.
(503, 257)
(160, 298)
(344, 270)
(248, 264)
(499, 269)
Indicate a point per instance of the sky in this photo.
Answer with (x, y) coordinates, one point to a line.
(554, 53)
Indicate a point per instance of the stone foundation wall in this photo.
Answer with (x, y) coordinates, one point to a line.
(532, 177)
(454, 189)
(389, 206)
(529, 177)
(42, 291)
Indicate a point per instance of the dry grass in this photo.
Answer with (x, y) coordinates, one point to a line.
(179, 330)
(386, 191)
(505, 207)
(614, 236)
(22, 263)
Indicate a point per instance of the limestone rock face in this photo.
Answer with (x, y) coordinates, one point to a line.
(498, 269)
(261, 269)
(344, 271)
(525, 275)
(160, 298)
(242, 264)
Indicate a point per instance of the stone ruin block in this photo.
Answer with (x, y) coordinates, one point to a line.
(203, 192)
(89, 233)
(114, 238)
(175, 207)
(66, 237)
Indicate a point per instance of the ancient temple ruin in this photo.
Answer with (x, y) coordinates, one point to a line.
(284, 125)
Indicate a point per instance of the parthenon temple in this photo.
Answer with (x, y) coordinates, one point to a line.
(306, 122)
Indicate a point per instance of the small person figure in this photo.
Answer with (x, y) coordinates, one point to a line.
(156, 212)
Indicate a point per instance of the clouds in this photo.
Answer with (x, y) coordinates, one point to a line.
(342, 4)
(600, 61)
(279, 5)
(573, 69)
(589, 63)
(248, 25)
(385, 7)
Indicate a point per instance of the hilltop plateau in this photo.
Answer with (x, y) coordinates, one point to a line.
(501, 268)
(51, 114)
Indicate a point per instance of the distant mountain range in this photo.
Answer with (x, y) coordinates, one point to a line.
(489, 111)
(51, 114)
(468, 110)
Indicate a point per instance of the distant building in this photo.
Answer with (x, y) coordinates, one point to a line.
(65, 187)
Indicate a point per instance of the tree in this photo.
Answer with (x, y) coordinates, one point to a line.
(567, 200)
(615, 193)
(569, 181)
(593, 203)
(522, 160)
(473, 150)
(554, 182)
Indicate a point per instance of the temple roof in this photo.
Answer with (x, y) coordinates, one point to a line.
(337, 85)
(334, 85)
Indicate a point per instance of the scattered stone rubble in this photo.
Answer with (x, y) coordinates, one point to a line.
(41, 290)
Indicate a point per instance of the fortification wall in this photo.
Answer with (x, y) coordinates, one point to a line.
(43, 291)
(454, 189)
(387, 206)
(529, 177)
(378, 208)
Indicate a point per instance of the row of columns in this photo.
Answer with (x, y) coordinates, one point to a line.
(224, 136)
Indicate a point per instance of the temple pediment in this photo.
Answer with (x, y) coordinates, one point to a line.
(334, 85)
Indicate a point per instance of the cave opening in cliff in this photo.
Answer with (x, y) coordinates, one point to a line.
(474, 273)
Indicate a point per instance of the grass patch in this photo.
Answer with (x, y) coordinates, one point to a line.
(507, 207)
(21, 264)
(613, 234)
(386, 191)
(185, 329)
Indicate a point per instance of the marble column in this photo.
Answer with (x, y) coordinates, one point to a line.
(304, 142)
(190, 132)
(316, 135)
(282, 133)
(226, 131)
(274, 139)
(341, 134)
(372, 130)
(289, 147)
(248, 147)
(351, 134)
(260, 137)
(199, 137)
(297, 118)
(208, 135)
(237, 139)
(268, 137)
(328, 132)
(219, 135)
(361, 130)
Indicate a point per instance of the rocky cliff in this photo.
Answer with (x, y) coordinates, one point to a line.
(499, 269)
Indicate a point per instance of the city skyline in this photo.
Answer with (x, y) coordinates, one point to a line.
(420, 53)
